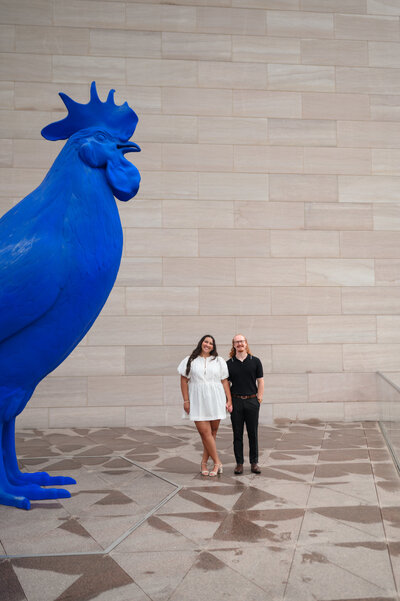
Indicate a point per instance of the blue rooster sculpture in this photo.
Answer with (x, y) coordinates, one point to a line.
(60, 251)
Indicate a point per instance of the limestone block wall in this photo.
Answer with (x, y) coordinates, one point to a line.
(270, 194)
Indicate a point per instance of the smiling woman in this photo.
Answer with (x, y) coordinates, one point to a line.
(206, 396)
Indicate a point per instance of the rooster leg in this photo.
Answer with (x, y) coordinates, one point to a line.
(7, 496)
(31, 482)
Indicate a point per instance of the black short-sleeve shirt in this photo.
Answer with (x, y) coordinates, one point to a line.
(243, 375)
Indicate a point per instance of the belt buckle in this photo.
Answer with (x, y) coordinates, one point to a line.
(243, 397)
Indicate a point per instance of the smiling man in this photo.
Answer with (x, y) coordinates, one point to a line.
(247, 388)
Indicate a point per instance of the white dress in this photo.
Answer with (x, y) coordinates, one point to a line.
(206, 393)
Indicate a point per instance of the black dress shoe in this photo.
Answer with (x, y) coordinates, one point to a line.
(238, 469)
(255, 469)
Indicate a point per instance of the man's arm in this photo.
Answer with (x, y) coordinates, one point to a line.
(260, 389)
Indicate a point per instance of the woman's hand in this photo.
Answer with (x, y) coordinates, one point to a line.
(186, 406)
(229, 406)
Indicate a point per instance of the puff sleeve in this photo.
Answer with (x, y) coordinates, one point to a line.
(182, 368)
(223, 368)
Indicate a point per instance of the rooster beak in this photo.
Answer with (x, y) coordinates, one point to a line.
(129, 147)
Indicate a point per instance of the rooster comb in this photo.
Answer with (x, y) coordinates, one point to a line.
(119, 121)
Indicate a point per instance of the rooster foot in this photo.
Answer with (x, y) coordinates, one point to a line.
(14, 500)
(41, 479)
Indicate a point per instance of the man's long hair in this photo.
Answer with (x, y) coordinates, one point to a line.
(197, 351)
(233, 350)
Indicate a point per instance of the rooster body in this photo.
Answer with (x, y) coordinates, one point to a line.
(60, 251)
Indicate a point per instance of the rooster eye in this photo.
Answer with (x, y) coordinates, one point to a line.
(100, 137)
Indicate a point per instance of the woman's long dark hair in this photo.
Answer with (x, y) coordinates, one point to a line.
(197, 351)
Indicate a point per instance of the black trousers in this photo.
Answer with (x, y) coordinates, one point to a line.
(245, 411)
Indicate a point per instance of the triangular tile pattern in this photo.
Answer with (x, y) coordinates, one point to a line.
(320, 523)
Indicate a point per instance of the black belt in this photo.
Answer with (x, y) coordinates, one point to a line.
(245, 396)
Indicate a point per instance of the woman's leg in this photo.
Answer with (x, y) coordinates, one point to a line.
(214, 429)
(208, 440)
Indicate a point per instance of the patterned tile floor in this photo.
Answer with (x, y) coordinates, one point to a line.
(321, 523)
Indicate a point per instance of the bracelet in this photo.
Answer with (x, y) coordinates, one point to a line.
(186, 402)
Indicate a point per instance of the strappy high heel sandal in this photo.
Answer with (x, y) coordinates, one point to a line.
(217, 469)
(203, 469)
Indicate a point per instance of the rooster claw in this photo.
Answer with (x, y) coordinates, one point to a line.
(14, 500)
(42, 479)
